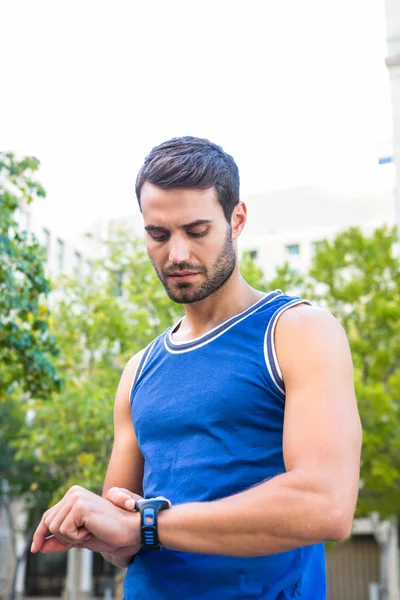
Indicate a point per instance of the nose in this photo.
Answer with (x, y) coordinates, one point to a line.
(179, 250)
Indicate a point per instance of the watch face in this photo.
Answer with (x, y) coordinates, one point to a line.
(155, 503)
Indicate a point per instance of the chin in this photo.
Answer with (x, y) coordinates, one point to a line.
(182, 299)
(185, 296)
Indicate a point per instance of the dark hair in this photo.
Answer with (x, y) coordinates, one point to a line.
(191, 162)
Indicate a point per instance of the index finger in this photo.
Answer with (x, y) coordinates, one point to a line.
(39, 536)
(42, 530)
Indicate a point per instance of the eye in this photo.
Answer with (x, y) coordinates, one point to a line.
(197, 234)
(159, 236)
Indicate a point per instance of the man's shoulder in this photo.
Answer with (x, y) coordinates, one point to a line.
(309, 334)
(304, 315)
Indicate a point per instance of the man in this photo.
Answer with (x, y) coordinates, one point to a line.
(244, 416)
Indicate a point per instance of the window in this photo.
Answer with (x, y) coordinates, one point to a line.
(253, 254)
(60, 255)
(293, 249)
(46, 241)
(118, 277)
(24, 220)
(89, 269)
(77, 263)
(317, 246)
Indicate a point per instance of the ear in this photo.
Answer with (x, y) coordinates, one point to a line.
(238, 221)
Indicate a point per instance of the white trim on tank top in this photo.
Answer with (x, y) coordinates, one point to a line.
(270, 335)
(138, 373)
(266, 299)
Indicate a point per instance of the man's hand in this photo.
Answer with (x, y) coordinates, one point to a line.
(86, 520)
(126, 499)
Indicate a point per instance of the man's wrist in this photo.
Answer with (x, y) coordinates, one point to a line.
(129, 539)
(135, 530)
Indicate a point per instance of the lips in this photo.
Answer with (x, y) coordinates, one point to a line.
(183, 276)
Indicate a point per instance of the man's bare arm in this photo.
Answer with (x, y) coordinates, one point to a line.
(125, 469)
(315, 499)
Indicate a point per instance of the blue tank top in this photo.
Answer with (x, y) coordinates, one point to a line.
(208, 416)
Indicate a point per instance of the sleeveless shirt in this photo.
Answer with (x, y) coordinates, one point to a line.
(208, 415)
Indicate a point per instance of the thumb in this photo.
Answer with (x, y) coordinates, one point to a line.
(122, 497)
(51, 545)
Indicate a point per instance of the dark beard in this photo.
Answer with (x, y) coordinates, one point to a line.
(223, 267)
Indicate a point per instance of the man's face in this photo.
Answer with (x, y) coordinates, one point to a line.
(188, 240)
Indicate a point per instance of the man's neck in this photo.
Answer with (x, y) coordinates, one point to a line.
(230, 300)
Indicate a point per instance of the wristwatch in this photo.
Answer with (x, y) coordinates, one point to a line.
(149, 510)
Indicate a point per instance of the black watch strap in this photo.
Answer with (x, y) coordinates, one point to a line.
(149, 510)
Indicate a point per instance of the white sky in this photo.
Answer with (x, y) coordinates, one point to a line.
(294, 89)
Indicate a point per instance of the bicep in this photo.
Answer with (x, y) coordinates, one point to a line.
(125, 468)
(322, 432)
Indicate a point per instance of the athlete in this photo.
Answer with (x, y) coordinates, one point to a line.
(237, 434)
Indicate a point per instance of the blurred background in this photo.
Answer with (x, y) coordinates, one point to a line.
(306, 97)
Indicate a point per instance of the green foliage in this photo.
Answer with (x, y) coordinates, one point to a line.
(361, 276)
(287, 280)
(252, 273)
(73, 433)
(357, 277)
(27, 348)
(380, 467)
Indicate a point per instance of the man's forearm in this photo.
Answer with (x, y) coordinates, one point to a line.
(283, 513)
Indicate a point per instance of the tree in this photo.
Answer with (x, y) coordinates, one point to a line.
(27, 348)
(252, 273)
(357, 277)
(73, 431)
(361, 286)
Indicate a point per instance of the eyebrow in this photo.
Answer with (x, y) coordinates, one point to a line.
(185, 226)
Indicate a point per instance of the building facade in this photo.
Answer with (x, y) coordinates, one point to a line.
(288, 225)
